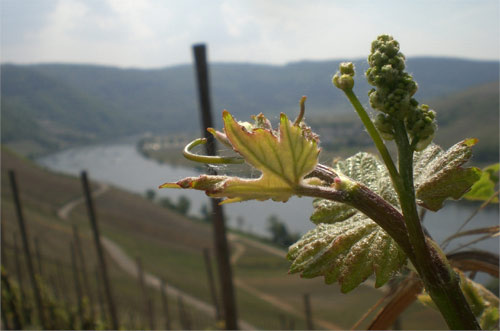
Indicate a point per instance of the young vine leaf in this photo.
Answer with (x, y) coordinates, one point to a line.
(484, 188)
(439, 175)
(348, 252)
(283, 157)
(347, 246)
(364, 168)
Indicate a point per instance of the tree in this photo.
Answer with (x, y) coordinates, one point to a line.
(279, 232)
(183, 205)
(150, 194)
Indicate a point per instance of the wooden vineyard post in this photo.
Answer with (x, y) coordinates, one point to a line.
(164, 302)
(62, 281)
(100, 253)
(100, 297)
(19, 274)
(133, 320)
(38, 255)
(27, 253)
(83, 271)
(183, 315)
(282, 319)
(307, 308)
(55, 287)
(211, 283)
(219, 228)
(148, 305)
(78, 288)
(2, 248)
(286, 322)
(151, 312)
(14, 313)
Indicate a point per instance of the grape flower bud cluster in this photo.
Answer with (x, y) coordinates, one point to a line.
(344, 78)
(393, 95)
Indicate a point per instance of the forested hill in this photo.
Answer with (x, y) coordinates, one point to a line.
(469, 113)
(45, 107)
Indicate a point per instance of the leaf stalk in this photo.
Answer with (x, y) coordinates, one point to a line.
(374, 134)
(206, 158)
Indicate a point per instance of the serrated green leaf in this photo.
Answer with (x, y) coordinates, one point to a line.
(284, 158)
(452, 184)
(287, 158)
(357, 246)
(493, 170)
(439, 175)
(364, 168)
(484, 188)
(326, 211)
(483, 303)
(367, 169)
(347, 252)
(489, 319)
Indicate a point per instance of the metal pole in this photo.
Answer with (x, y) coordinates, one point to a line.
(100, 254)
(27, 253)
(211, 283)
(219, 229)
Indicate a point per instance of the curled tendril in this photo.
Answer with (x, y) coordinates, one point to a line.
(205, 158)
(302, 104)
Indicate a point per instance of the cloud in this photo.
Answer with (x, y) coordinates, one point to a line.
(154, 33)
(289, 31)
(236, 18)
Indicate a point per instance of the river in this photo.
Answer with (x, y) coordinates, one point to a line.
(120, 164)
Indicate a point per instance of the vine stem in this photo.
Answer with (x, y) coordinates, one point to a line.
(439, 278)
(437, 275)
(372, 131)
(370, 204)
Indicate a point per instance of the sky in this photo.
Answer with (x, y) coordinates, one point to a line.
(159, 33)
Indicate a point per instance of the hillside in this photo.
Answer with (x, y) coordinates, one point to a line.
(45, 113)
(473, 112)
(170, 246)
(48, 107)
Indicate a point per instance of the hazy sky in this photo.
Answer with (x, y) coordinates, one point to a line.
(157, 33)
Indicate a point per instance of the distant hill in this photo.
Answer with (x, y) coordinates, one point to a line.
(41, 113)
(470, 113)
(48, 107)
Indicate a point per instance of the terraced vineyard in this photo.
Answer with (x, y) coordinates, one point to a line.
(170, 247)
